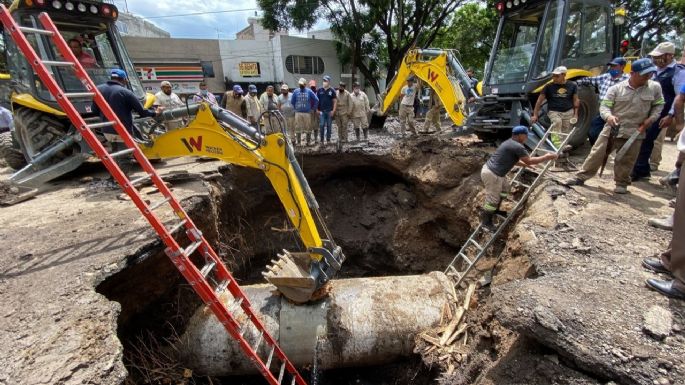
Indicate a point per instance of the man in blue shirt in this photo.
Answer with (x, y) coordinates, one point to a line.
(122, 101)
(304, 101)
(603, 82)
(671, 76)
(327, 103)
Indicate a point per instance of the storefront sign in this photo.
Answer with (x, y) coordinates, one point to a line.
(249, 69)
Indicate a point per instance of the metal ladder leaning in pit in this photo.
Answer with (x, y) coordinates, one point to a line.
(472, 251)
(209, 289)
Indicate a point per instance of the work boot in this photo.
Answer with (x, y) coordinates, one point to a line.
(662, 223)
(309, 140)
(366, 134)
(356, 133)
(298, 139)
(486, 220)
(621, 190)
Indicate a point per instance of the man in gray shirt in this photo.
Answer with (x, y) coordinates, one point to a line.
(495, 170)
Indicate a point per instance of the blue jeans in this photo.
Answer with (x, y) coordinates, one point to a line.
(641, 168)
(596, 127)
(325, 125)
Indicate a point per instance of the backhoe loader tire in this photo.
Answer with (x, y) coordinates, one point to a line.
(35, 130)
(9, 154)
(589, 108)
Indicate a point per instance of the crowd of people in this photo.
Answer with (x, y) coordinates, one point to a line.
(306, 111)
(635, 110)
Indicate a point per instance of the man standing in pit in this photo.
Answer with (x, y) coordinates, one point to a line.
(342, 118)
(328, 102)
(234, 101)
(562, 105)
(494, 172)
(671, 77)
(360, 109)
(628, 107)
(304, 101)
(408, 93)
(169, 100)
(615, 75)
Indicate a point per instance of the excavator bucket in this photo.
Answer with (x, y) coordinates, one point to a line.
(291, 274)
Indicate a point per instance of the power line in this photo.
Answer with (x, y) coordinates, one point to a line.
(200, 13)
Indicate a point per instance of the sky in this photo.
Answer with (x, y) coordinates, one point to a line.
(222, 25)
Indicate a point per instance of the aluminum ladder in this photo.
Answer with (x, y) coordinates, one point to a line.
(210, 281)
(480, 240)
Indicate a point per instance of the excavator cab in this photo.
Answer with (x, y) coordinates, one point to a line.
(42, 132)
(534, 37)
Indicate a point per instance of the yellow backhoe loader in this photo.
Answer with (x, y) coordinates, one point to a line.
(441, 71)
(217, 133)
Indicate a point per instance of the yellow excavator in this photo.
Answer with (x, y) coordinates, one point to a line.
(217, 133)
(441, 71)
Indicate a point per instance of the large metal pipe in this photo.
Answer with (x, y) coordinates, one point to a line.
(362, 322)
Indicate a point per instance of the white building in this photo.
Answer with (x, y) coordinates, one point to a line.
(131, 25)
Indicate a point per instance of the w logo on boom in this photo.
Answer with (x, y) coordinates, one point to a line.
(191, 143)
(432, 75)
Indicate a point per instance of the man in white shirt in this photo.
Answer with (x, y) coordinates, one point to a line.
(169, 100)
(407, 107)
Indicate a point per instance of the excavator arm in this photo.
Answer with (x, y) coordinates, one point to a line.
(219, 134)
(442, 71)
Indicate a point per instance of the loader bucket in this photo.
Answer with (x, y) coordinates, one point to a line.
(291, 274)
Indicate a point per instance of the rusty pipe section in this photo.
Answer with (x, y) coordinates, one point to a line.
(362, 322)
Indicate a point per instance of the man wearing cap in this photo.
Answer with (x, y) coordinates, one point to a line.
(562, 104)
(205, 96)
(254, 108)
(122, 101)
(359, 111)
(234, 101)
(671, 76)
(269, 102)
(408, 93)
(304, 100)
(602, 82)
(313, 117)
(328, 101)
(672, 261)
(342, 117)
(628, 107)
(494, 172)
(169, 100)
(288, 110)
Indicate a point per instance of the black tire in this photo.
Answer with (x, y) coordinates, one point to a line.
(9, 153)
(589, 107)
(35, 130)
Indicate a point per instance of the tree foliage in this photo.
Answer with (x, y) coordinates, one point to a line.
(651, 21)
(376, 32)
(471, 32)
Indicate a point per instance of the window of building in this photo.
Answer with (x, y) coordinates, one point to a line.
(308, 65)
(207, 69)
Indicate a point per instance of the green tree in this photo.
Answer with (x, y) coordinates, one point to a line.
(471, 32)
(651, 21)
(376, 32)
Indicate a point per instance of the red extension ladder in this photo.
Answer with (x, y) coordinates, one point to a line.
(180, 256)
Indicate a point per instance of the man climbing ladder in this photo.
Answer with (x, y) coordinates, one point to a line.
(495, 170)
